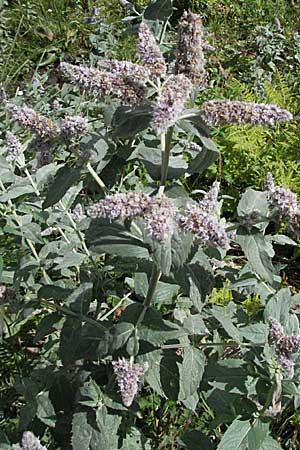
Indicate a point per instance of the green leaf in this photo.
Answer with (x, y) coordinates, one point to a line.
(195, 440)
(256, 333)
(127, 121)
(224, 316)
(32, 231)
(257, 435)
(95, 433)
(195, 325)
(65, 178)
(253, 204)
(169, 375)
(281, 239)
(70, 340)
(258, 251)
(45, 411)
(107, 438)
(191, 371)
(120, 333)
(151, 158)
(162, 255)
(270, 444)
(80, 299)
(112, 238)
(135, 441)
(15, 192)
(164, 292)
(235, 435)
(81, 432)
(159, 10)
(51, 291)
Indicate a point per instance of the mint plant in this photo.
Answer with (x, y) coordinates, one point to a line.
(118, 259)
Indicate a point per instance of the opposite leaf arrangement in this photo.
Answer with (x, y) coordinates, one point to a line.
(147, 250)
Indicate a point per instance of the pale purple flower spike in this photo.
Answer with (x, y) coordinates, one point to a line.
(149, 51)
(218, 112)
(170, 103)
(14, 147)
(190, 59)
(128, 378)
(35, 122)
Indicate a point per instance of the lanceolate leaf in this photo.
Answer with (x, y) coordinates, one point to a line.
(257, 435)
(64, 179)
(191, 371)
(235, 435)
(159, 10)
(128, 121)
(258, 251)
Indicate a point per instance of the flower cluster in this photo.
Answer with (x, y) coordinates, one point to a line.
(121, 205)
(102, 84)
(126, 68)
(149, 52)
(156, 212)
(29, 442)
(37, 123)
(14, 147)
(198, 219)
(284, 345)
(218, 112)
(73, 126)
(170, 103)
(159, 218)
(190, 57)
(285, 201)
(209, 200)
(128, 378)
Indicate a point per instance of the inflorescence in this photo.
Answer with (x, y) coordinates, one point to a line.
(102, 83)
(218, 112)
(150, 54)
(30, 119)
(128, 377)
(29, 442)
(73, 126)
(170, 103)
(285, 201)
(125, 68)
(198, 219)
(190, 59)
(14, 147)
(160, 215)
(156, 212)
(284, 345)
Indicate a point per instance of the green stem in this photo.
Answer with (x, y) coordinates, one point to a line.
(166, 139)
(54, 307)
(155, 276)
(214, 344)
(96, 177)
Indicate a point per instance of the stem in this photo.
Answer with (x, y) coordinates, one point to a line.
(52, 306)
(32, 182)
(213, 344)
(165, 139)
(155, 276)
(105, 316)
(96, 177)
